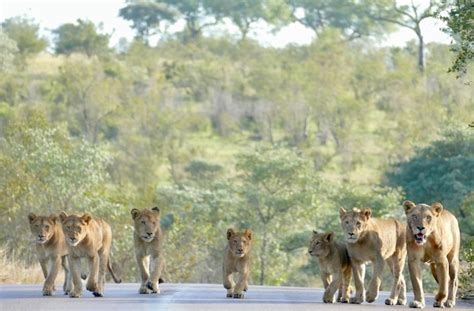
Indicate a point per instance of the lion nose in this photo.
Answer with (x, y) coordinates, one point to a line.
(240, 250)
(351, 233)
(310, 252)
(149, 233)
(40, 236)
(420, 228)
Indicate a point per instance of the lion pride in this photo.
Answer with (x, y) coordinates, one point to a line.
(433, 237)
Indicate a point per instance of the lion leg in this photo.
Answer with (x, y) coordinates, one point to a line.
(344, 291)
(67, 287)
(103, 258)
(398, 292)
(402, 288)
(75, 266)
(374, 285)
(143, 262)
(328, 296)
(358, 271)
(453, 283)
(443, 278)
(156, 268)
(48, 287)
(228, 283)
(241, 284)
(92, 284)
(415, 275)
(433, 272)
(326, 278)
(44, 266)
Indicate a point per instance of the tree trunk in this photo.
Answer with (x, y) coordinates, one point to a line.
(421, 52)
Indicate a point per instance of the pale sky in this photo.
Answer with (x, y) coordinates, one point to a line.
(52, 13)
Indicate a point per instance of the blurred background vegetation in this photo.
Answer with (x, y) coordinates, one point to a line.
(224, 132)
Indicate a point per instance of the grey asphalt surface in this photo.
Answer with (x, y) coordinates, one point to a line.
(185, 297)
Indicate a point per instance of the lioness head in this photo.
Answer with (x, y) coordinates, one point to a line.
(354, 223)
(320, 244)
(74, 227)
(421, 219)
(239, 243)
(147, 222)
(42, 227)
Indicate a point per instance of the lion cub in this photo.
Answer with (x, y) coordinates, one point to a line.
(147, 241)
(51, 250)
(90, 238)
(237, 259)
(375, 240)
(334, 264)
(433, 236)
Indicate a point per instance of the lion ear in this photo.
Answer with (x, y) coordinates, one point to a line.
(135, 213)
(156, 210)
(437, 207)
(248, 233)
(62, 216)
(367, 212)
(31, 217)
(342, 212)
(408, 206)
(230, 233)
(86, 218)
(329, 236)
(53, 218)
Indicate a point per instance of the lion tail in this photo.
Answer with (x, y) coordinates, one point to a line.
(112, 273)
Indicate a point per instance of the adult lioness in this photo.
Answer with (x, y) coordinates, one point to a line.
(433, 236)
(237, 259)
(90, 238)
(375, 240)
(147, 240)
(51, 250)
(334, 264)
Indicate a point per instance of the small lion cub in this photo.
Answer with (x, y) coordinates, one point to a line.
(237, 259)
(335, 266)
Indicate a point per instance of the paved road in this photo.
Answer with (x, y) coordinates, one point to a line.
(183, 297)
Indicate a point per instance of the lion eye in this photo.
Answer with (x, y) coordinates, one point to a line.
(143, 222)
(428, 218)
(234, 241)
(414, 217)
(358, 224)
(347, 222)
(46, 227)
(154, 223)
(317, 243)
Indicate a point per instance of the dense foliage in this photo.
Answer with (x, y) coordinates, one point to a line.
(227, 133)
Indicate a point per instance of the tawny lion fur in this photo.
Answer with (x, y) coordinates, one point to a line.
(90, 238)
(375, 240)
(237, 260)
(334, 265)
(147, 239)
(433, 236)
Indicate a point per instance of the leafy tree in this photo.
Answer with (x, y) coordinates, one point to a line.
(82, 37)
(8, 48)
(148, 16)
(25, 33)
(459, 20)
(407, 16)
(348, 16)
(44, 170)
(440, 172)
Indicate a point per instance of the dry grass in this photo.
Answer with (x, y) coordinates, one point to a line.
(14, 271)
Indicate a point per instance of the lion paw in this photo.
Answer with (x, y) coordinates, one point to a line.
(98, 294)
(92, 287)
(371, 296)
(438, 304)
(401, 302)
(344, 300)
(390, 302)
(449, 303)
(47, 292)
(239, 296)
(229, 295)
(356, 300)
(152, 287)
(417, 304)
(75, 294)
(328, 298)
